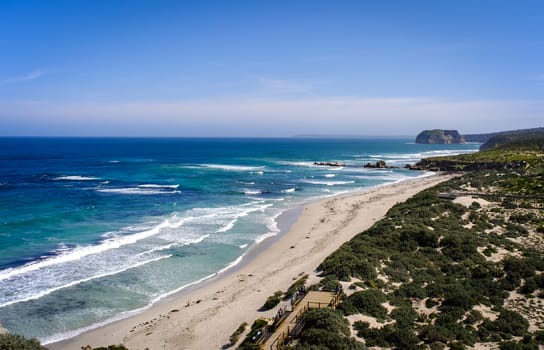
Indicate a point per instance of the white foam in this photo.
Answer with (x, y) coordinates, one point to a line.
(241, 214)
(289, 190)
(229, 266)
(328, 183)
(75, 178)
(330, 175)
(302, 164)
(243, 246)
(252, 192)
(404, 157)
(137, 191)
(74, 283)
(121, 316)
(232, 167)
(158, 186)
(232, 264)
(82, 251)
(261, 238)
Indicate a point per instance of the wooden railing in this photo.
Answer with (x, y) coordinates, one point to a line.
(297, 322)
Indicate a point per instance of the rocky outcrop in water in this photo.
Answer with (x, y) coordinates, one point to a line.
(439, 136)
(329, 164)
(380, 164)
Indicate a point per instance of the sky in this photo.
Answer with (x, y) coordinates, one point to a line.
(269, 68)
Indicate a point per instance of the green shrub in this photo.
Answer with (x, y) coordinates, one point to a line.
(18, 342)
(233, 339)
(296, 286)
(329, 283)
(326, 329)
(248, 343)
(272, 300)
(368, 302)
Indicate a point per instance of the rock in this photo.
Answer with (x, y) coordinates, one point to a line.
(380, 164)
(439, 136)
(329, 164)
(413, 167)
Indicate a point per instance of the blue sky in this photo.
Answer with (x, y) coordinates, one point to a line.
(269, 68)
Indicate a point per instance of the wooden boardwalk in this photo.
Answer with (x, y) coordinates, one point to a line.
(312, 300)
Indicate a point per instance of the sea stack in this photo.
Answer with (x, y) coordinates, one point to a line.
(439, 136)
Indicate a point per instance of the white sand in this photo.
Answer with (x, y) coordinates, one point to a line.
(205, 317)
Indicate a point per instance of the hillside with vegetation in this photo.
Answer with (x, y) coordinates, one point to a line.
(442, 136)
(516, 141)
(482, 138)
(438, 273)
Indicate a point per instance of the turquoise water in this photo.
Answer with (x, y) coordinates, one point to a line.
(91, 229)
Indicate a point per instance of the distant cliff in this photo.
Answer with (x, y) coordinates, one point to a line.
(518, 140)
(482, 138)
(439, 136)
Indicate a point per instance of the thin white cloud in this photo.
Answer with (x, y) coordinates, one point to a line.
(30, 76)
(280, 116)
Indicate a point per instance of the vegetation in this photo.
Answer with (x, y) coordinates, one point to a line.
(295, 286)
(17, 342)
(530, 140)
(256, 329)
(326, 329)
(237, 333)
(272, 300)
(438, 274)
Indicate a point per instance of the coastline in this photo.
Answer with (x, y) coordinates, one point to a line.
(204, 315)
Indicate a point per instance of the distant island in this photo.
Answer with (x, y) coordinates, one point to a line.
(440, 136)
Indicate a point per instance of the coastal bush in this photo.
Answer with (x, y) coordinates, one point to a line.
(388, 336)
(512, 345)
(330, 283)
(272, 300)
(326, 319)
(295, 286)
(345, 264)
(257, 330)
(425, 253)
(18, 342)
(473, 317)
(326, 329)
(367, 302)
(233, 339)
(508, 323)
(404, 316)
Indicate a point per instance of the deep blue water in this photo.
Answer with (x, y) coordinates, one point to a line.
(91, 228)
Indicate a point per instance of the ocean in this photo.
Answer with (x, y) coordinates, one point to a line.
(94, 229)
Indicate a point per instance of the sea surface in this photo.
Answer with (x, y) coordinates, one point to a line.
(94, 229)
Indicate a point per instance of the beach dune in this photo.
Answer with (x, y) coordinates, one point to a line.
(205, 316)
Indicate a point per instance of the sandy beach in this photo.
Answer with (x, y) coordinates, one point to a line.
(205, 316)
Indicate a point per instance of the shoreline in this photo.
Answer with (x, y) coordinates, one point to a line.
(203, 315)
